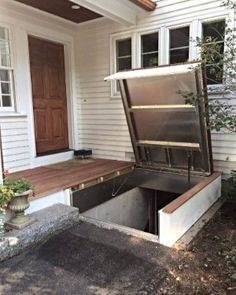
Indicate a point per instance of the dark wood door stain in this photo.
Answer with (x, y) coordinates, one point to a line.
(49, 95)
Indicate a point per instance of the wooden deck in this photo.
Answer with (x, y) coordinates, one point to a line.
(70, 174)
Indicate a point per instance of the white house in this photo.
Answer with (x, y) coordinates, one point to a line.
(118, 34)
(54, 56)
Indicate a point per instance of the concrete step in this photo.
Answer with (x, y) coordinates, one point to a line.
(49, 221)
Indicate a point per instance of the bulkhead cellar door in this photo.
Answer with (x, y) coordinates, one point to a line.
(167, 133)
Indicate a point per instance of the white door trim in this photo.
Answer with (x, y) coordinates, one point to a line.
(69, 58)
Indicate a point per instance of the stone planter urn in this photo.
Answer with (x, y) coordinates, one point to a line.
(18, 204)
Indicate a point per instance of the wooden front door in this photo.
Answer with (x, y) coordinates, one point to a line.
(49, 95)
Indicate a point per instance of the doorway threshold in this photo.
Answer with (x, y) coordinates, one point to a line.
(53, 152)
(47, 159)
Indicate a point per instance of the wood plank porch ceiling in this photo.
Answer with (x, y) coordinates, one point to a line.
(62, 8)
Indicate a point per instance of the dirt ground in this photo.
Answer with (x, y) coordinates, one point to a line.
(209, 266)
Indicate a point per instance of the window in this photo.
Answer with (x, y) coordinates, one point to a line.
(123, 55)
(123, 58)
(6, 71)
(149, 50)
(214, 32)
(179, 45)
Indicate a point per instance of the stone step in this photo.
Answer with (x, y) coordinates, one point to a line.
(49, 221)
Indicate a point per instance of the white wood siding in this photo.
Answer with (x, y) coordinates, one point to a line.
(101, 122)
(17, 127)
(15, 143)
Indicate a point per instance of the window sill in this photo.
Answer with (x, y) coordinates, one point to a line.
(115, 96)
(11, 115)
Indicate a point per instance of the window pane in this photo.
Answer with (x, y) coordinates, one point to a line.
(149, 50)
(215, 30)
(4, 47)
(5, 87)
(3, 33)
(5, 60)
(179, 55)
(123, 47)
(149, 60)
(124, 64)
(149, 42)
(179, 37)
(4, 75)
(214, 74)
(6, 101)
(214, 68)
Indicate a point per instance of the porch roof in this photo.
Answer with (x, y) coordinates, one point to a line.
(78, 11)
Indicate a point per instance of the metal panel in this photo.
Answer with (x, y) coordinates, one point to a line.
(165, 131)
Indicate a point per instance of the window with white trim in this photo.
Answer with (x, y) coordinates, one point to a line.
(179, 45)
(149, 50)
(123, 48)
(6, 72)
(214, 32)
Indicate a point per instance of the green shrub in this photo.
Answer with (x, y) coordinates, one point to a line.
(229, 186)
(5, 196)
(18, 186)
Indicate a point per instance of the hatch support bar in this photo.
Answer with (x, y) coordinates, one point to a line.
(170, 106)
(169, 144)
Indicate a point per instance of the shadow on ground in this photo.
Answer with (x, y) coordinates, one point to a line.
(86, 259)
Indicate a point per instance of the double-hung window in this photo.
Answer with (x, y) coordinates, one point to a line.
(6, 72)
(123, 49)
(213, 34)
(149, 50)
(123, 55)
(179, 45)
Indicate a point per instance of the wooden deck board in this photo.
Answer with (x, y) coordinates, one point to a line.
(54, 178)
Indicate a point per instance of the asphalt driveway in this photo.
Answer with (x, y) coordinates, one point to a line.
(87, 260)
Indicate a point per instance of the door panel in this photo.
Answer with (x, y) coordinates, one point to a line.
(49, 95)
(40, 124)
(57, 117)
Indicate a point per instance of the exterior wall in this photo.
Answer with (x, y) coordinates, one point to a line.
(129, 209)
(173, 225)
(101, 122)
(62, 197)
(17, 127)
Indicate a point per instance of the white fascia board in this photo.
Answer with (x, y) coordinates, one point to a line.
(114, 10)
(153, 72)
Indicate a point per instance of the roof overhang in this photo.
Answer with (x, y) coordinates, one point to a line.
(145, 4)
(121, 11)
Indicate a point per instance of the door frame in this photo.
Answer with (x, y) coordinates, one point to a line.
(68, 43)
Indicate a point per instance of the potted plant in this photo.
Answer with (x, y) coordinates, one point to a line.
(6, 195)
(22, 189)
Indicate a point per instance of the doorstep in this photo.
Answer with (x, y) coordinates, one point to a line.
(49, 221)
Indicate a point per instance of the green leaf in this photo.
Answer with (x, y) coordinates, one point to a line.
(233, 277)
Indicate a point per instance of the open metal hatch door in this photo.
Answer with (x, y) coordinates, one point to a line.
(167, 134)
